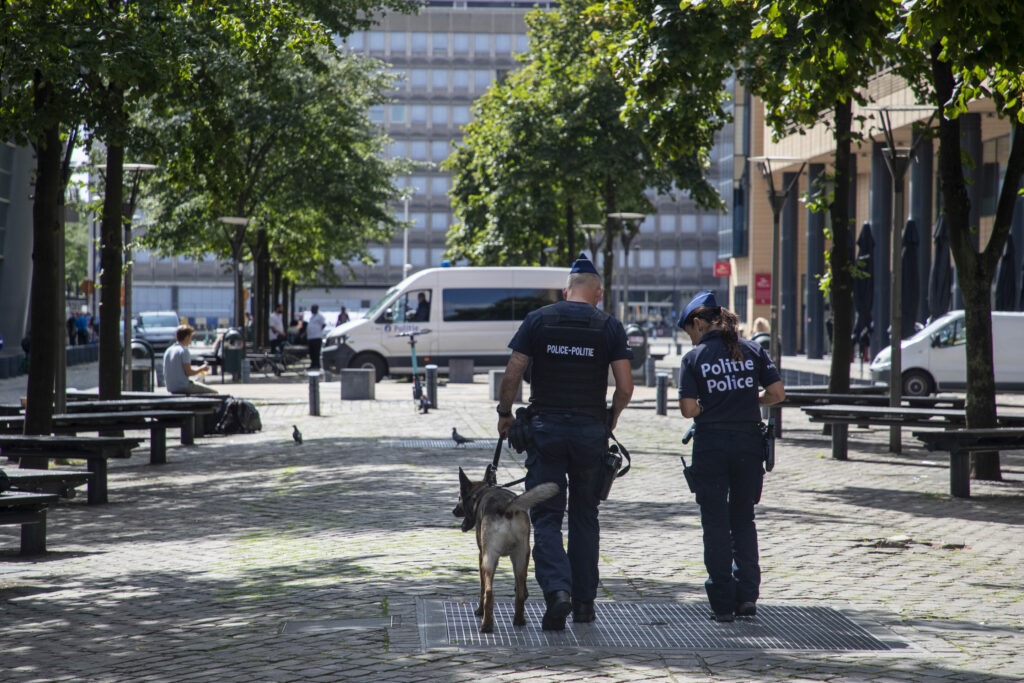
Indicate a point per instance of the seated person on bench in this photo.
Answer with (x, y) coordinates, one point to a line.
(178, 366)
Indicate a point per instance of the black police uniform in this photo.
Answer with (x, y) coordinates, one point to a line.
(727, 457)
(571, 345)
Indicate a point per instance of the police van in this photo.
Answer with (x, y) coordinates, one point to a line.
(470, 313)
(935, 359)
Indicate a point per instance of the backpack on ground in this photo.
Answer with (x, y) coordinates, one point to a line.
(238, 416)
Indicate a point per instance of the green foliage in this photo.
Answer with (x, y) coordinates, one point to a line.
(282, 138)
(548, 140)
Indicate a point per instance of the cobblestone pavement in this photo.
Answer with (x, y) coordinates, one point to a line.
(189, 573)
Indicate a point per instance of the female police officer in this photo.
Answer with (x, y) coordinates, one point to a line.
(718, 387)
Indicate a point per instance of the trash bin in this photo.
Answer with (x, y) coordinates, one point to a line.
(637, 339)
(234, 353)
(143, 365)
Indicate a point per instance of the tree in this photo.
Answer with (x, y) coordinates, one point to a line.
(958, 53)
(280, 139)
(549, 144)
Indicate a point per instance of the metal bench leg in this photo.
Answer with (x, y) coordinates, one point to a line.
(960, 474)
(157, 445)
(188, 434)
(33, 535)
(839, 441)
(98, 485)
(199, 425)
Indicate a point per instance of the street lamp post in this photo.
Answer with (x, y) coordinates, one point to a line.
(136, 170)
(240, 223)
(406, 266)
(897, 159)
(591, 229)
(627, 236)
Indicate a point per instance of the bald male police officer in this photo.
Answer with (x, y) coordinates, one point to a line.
(571, 344)
(719, 387)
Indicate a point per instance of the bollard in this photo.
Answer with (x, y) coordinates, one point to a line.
(649, 372)
(662, 401)
(314, 392)
(245, 370)
(431, 371)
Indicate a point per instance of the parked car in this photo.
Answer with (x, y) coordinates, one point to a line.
(935, 358)
(469, 312)
(156, 327)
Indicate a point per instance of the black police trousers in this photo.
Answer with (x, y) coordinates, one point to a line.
(729, 475)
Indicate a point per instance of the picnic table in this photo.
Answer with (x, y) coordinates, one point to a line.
(960, 443)
(61, 482)
(34, 450)
(29, 511)
(156, 421)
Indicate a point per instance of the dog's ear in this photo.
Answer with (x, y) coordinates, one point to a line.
(465, 485)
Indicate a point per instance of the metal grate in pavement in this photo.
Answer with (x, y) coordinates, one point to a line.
(441, 443)
(643, 626)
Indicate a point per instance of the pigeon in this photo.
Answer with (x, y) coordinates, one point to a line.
(459, 439)
(296, 434)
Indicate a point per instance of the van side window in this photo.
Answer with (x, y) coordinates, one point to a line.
(411, 307)
(953, 334)
(507, 303)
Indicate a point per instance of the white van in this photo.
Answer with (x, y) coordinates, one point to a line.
(935, 359)
(469, 312)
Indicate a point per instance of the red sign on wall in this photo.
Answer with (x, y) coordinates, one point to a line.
(723, 269)
(763, 288)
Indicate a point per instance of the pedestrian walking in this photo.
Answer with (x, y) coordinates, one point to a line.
(571, 344)
(719, 382)
(314, 335)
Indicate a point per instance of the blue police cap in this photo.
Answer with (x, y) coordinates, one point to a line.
(705, 297)
(583, 265)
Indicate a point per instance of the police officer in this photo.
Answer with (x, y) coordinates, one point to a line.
(571, 344)
(719, 383)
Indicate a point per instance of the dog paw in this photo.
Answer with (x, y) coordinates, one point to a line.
(487, 627)
(519, 620)
(479, 611)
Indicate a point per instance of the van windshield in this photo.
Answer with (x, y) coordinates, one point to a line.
(384, 300)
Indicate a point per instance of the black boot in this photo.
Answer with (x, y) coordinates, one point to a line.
(583, 611)
(559, 606)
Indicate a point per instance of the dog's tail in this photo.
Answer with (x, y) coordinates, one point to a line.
(537, 494)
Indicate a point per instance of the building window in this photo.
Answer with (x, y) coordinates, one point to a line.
(460, 114)
(688, 223)
(482, 43)
(688, 258)
(418, 78)
(141, 256)
(419, 41)
(667, 223)
(439, 186)
(419, 220)
(436, 255)
(708, 222)
(395, 256)
(377, 254)
(439, 221)
(439, 151)
(460, 43)
(522, 43)
(396, 150)
(502, 44)
(648, 224)
(398, 42)
(418, 149)
(460, 78)
(418, 257)
(378, 41)
(666, 259)
(419, 184)
(439, 114)
(397, 113)
(646, 258)
(439, 79)
(439, 43)
(418, 114)
(707, 259)
(377, 113)
(481, 79)
(739, 301)
(356, 41)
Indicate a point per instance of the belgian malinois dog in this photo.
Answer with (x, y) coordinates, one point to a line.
(502, 527)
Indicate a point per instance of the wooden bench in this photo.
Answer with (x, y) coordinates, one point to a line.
(161, 401)
(61, 482)
(156, 421)
(797, 398)
(29, 511)
(960, 443)
(33, 452)
(842, 416)
(199, 406)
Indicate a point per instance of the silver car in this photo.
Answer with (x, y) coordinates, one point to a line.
(157, 327)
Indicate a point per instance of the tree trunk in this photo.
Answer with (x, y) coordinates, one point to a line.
(609, 242)
(841, 286)
(262, 289)
(974, 271)
(45, 225)
(111, 253)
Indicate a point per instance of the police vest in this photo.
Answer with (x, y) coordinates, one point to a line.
(570, 362)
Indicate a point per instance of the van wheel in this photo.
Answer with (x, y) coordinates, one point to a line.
(917, 383)
(364, 361)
